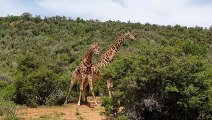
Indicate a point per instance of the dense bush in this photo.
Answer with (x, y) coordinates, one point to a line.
(163, 82)
(110, 105)
(7, 106)
(37, 84)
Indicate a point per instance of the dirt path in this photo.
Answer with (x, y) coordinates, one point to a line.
(68, 112)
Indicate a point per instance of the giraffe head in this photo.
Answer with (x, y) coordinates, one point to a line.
(95, 47)
(129, 35)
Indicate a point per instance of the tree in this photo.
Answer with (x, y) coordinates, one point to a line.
(26, 16)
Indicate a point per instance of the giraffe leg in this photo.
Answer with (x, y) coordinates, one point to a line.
(91, 88)
(73, 81)
(81, 88)
(109, 87)
(86, 91)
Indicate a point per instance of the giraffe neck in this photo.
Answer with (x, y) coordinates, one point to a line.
(118, 43)
(108, 56)
(87, 61)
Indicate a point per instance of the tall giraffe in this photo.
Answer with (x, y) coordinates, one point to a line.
(83, 72)
(107, 58)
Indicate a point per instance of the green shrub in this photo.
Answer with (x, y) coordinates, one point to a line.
(162, 83)
(56, 98)
(122, 117)
(110, 105)
(41, 86)
(7, 106)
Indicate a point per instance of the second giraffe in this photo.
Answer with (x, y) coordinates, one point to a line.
(83, 73)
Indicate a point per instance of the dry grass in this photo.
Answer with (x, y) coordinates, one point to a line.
(68, 112)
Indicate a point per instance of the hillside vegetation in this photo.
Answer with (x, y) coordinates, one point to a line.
(165, 73)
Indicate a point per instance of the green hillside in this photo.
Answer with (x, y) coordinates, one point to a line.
(166, 73)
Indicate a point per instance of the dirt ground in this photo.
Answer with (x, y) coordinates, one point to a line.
(68, 112)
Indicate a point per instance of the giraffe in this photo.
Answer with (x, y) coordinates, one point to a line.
(83, 73)
(107, 58)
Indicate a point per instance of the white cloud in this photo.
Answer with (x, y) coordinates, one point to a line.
(164, 12)
(95, 9)
(10, 7)
(170, 12)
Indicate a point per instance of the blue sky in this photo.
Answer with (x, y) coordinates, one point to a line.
(164, 12)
